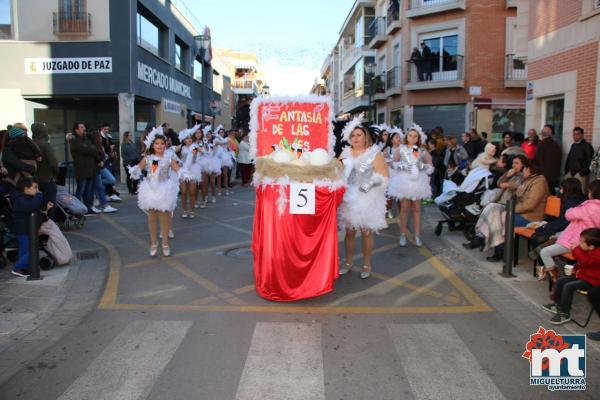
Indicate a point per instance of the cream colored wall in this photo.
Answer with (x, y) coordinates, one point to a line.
(35, 21)
(564, 84)
(522, 32)
(12, 106)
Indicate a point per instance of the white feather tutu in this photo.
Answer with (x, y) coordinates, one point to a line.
(403, 185)
(196, 171)
(226, 158)
(160, 196)
(210, 165)
(361, 210)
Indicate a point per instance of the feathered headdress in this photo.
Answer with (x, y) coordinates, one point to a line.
(350, 126)
(152, 135)
(207, 129)
(419, 130)
(394, 129)
(188, 132)
(219, 128)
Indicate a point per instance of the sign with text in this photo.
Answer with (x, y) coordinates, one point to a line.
(86, 65)
(302, 198)
(160, 79)
(294, 125)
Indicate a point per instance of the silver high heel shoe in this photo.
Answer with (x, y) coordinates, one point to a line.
(366, 272)
(347, 268)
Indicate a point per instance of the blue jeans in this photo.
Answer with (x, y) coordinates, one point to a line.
(85, 192)
(520, 221)
(107, 177)
(100, 190)
(23, 260)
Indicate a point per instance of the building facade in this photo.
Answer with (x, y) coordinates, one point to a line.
(131, 63)
(247, 82)
(471, 79)
(559, 41)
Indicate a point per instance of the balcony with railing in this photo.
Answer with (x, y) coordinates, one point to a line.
(446, 71)
(418, 8)
(515, 74)
(393, 82)
(393, 17)
(379, 87)
(511, 3)
(244, 86)
(72, 23)
(377, 32)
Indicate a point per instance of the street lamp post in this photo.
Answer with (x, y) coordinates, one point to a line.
(370, 70)
(202, 43)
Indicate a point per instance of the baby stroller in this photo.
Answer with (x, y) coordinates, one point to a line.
(456, 203)
(70, 211)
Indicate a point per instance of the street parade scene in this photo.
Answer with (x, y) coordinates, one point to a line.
(351, 199)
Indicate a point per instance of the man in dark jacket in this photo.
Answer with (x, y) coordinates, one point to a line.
(549, 155)
(47, 168)
(579, 159)
(427, 61)
(21, 155)
(85, 162)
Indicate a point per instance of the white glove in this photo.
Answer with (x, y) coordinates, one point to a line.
(375, 180)
(135, 172)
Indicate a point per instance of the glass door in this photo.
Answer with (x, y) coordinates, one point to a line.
(554, 115)
(444, 57)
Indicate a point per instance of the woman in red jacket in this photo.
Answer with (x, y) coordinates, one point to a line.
(586, 275)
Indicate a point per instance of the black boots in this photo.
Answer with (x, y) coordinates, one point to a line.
(476, 242)
(498, 254)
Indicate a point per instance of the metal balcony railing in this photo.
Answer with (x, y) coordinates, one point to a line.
(419, 4)
(393, 12)
(377, 27)
(393, 78)
(516, 70)
(243, 84)
(379, 83)
(72, 22)
(444, 68)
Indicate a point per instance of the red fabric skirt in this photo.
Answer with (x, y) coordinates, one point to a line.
(295, 256)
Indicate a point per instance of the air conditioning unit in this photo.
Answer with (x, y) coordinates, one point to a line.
(596, 3)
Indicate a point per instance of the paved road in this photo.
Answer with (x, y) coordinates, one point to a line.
(430, 324)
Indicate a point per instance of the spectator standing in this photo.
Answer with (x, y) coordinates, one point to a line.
(103, 177)
(507, 141)
(427, 61)
(21, 155)
(244, 161)
(25, 199)
(47, 168)
(457, 153)
(130, 154)
(549, 155)
(579, 158)
(417, 59)
(530, 144)
(85, 160)
(477, 142)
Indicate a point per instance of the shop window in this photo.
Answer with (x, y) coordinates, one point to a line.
(5, 19)
(554, 114)
(150, 36)
(508, 119)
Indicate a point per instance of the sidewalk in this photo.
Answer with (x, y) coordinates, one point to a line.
(35, 314)
(524, 285)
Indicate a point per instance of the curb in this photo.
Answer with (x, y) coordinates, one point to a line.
(76, 297)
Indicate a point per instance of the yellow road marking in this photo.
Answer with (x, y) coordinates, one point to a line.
(109, 297)
(276, 308)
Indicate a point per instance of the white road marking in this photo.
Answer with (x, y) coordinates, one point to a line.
(129, 366)
(285, 361)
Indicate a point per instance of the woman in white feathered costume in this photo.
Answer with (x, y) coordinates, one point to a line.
(409, 184)
(157, 193)
(226, 157)
(189, 153)
(211, 166)
(363, 207)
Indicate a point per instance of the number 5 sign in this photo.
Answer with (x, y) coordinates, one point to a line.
(302, 198)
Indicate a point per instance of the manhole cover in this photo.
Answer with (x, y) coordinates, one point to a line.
(240, 252)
